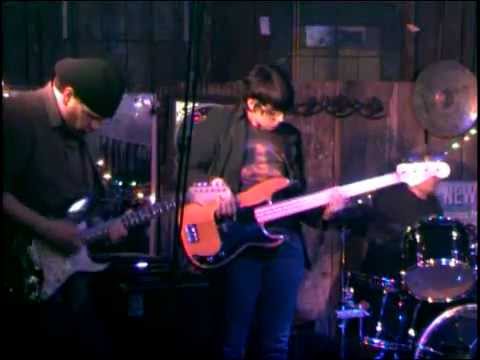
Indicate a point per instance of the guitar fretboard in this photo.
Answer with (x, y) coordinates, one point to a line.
(129, 219)
(267, 213)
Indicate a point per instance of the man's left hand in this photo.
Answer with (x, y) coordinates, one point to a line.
(117, 231)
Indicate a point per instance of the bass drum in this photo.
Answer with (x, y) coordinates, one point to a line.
(452, 335)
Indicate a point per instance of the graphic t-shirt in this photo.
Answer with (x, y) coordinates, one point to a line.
(263, 158)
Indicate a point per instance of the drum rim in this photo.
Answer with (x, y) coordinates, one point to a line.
(448, 313)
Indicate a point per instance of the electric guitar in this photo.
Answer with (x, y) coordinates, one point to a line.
(45, 268)
(210, 243)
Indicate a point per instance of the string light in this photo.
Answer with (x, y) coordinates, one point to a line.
(5, 90)
(140, 191)
(152, 198)
(457, 144)
(363, 200)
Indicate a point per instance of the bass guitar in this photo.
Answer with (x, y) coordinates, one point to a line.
(209, 242)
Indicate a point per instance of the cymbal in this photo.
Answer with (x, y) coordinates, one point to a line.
(445, 99)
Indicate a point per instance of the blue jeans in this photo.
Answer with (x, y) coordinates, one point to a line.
(260, 287)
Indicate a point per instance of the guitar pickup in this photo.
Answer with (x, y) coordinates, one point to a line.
(192, 233)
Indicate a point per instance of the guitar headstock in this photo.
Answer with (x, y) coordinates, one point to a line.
(417, 172)
(204, 192)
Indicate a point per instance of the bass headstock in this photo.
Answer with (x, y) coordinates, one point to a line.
(417, 172)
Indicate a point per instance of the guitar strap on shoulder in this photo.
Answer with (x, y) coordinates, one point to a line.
(225, 142)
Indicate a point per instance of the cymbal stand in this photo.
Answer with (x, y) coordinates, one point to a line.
(348, 309)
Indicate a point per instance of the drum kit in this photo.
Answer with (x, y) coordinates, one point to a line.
(429, 310)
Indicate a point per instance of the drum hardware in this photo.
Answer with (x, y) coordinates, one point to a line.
(376, 282)
(411, 330)
(473, 349)
(352, 312)
(348, 310)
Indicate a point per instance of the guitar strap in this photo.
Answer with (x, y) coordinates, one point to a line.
(225, 146)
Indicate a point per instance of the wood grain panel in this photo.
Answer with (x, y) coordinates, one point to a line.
(369, 68)
(347, 68)
(452, 30)
(363, 141)
(88, 21)
(139, 20)
(305, 68)
(324, 68)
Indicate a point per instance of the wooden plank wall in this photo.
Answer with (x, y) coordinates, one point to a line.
(147, 39)
(144, 38)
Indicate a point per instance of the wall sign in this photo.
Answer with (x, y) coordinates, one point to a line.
(459, 200)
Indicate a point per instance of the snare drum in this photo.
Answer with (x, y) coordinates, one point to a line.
(438, 263)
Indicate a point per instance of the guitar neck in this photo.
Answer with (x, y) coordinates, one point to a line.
(128, 220)
(267, 213)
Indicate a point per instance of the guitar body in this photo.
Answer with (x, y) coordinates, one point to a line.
(41, 269)
(56, 268)
(210, 243)
(21, 277)
(45, 269)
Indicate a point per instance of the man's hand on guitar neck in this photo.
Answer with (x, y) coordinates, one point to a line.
(65, 234)
(117, 231)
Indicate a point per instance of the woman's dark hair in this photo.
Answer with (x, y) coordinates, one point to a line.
(270, 85)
